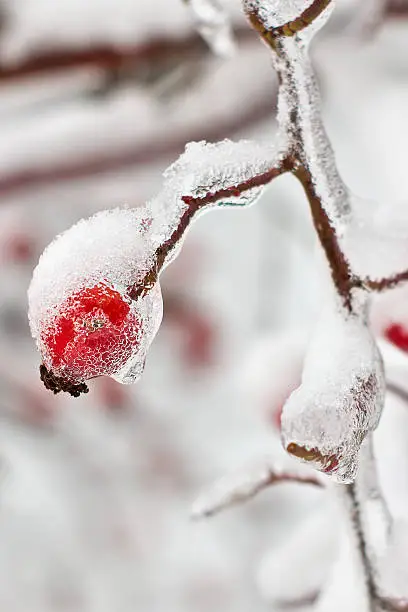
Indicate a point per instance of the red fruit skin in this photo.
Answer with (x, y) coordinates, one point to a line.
(397, 335)
(94, 334)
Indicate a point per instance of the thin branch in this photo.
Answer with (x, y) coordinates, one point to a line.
(144, 153)
(241, 487)
(193, 206)
(303, 123)
(340, 268)
(306, 18)
(358, 527)
(385, 283)
(109, 57)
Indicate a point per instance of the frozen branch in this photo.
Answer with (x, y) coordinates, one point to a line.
(239, 193)
(244, 485)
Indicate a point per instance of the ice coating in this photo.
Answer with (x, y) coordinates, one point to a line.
(275, 13)
(300, 97)
(118, 245)
(340, 400)
(80, 315)
(213, 24)
(207, 168)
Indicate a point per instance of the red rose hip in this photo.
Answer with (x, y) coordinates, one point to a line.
(94, 333)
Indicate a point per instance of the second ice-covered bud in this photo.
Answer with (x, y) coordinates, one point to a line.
(81, 312)
(340, 400)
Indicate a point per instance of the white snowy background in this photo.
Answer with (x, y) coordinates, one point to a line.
(95, 492)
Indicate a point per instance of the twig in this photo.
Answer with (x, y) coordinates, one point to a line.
(357, 523)
(109, 57)
(241, 487)
(193, 206)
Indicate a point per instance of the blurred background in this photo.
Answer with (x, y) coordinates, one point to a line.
(96, 99)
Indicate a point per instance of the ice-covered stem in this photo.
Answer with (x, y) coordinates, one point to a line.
(292, 27)
(354, 512)
(314, 165)
(313, 161)
(371, 522)
(192, 206)
(385, 283)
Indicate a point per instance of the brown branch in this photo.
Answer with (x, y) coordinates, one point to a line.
(224, 496)
(340, 268)
(194, 204)
(306, 18)
(385, 283)
(357, 524)
(341, 272)
(109, 57)
(144, 153)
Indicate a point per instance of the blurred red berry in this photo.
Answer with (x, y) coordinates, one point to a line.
(19, 248)
(396, 334)
(94, 334)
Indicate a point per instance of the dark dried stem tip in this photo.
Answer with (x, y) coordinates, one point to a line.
(56, 384)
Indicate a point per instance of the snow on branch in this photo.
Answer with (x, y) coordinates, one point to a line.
(244, 485)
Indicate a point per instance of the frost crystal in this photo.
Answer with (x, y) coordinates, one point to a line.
(213, 24)
(342, 388)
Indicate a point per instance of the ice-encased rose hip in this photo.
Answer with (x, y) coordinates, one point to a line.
(94, 333)
(82, 313)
